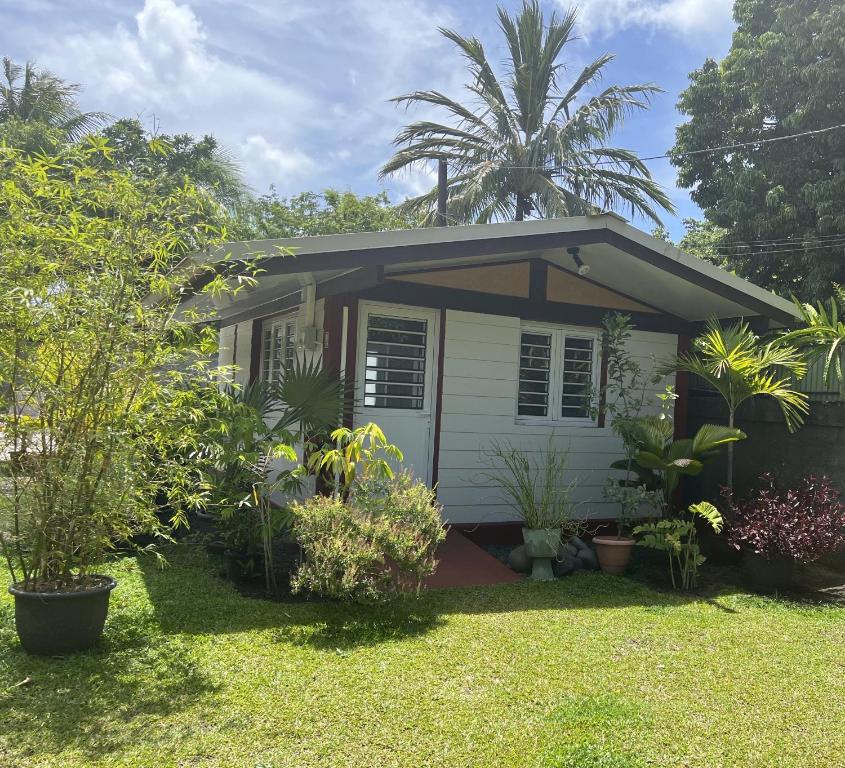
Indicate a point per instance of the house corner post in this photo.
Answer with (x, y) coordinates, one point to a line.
(681, 415)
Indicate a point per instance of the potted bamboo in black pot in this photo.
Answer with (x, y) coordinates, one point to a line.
(101, 379)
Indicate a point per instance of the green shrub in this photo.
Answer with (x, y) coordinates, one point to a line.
(380, 541)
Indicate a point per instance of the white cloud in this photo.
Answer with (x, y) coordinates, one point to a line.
(281, 85)
(687, 18)
(273, 164)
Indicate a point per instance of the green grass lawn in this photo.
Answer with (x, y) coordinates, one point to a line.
(589, 672)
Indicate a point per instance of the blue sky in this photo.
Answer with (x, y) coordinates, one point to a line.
(298, 90)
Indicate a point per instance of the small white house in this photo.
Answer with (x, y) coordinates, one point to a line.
(455, 336)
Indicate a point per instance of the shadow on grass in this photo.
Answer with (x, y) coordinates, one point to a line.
(93, 703)
(189, 598)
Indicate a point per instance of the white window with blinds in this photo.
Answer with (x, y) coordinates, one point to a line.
(396, 353)
(558, 371)
(278, 346)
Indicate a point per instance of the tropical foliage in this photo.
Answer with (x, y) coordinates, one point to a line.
(779, 207)
(100, 375)
(329, 213)
(530, 143)
(678, 538)
(739, 366)
(823, 333)
(203, 161)
(622, 398)
(802, 522)
(36, 96)
(355, 457)
(660, 461)
(263, 425)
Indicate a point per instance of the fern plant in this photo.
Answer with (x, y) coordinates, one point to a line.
(678, 538)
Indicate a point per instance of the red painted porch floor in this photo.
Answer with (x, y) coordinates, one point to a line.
(464, 564)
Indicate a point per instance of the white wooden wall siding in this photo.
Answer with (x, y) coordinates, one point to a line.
(480, 371)
(236, 348)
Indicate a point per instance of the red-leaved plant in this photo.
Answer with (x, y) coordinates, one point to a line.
(802, 523)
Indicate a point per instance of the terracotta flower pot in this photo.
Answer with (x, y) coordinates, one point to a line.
(614, 553)
(55, 623)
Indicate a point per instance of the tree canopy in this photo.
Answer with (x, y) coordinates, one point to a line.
(208, 166)
(309, 213)
(778, 208)
(530, 142)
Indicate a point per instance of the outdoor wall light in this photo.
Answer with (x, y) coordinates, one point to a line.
(583, 269)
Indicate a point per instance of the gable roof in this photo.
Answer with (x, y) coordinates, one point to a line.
(622, 259)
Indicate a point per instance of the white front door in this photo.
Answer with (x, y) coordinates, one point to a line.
(396, 378)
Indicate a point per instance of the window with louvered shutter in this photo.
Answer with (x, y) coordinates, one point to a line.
(395, 363)
(557, 374)
(535, 358)
(577, 382)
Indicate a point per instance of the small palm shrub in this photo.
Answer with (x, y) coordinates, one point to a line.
(379, 542)
(802, 523)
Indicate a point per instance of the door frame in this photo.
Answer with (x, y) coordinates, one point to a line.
(432, 406)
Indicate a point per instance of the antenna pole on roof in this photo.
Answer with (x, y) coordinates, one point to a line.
(441, 193)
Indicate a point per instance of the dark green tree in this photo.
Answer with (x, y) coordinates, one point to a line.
(203, 161)
(530, 142)
(308, 213)
(777, 208)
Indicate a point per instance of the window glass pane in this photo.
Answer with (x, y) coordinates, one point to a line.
(278, 348)
(577, 377)
(535, 357)
(394, 376)
(290, 343)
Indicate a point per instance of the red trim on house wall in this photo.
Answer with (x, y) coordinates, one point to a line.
(351, 358)
(602, 386)
(682, 391)
(441, 346)
(255, 351)
(333, 328)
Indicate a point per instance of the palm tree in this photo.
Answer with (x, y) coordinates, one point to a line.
(32, 95)
(529, 143)
(739, 366)
(823, 333)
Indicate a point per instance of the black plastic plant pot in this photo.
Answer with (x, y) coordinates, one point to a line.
(56, 623)
(767, 575)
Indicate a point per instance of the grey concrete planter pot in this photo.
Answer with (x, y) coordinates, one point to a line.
(541, 545)
(56, 623)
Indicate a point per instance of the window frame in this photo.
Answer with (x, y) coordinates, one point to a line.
(268, 326)
(559, 334)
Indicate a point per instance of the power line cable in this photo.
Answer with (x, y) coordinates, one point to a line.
(670, 155)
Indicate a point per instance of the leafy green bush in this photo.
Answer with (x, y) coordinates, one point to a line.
(380, 541)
